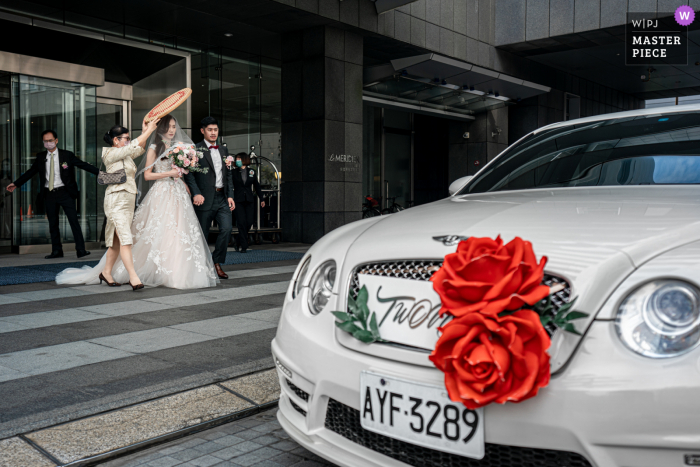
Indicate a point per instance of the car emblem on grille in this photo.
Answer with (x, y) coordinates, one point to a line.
(450, 240)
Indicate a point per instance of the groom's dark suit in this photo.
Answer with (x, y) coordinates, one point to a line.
(215, 204)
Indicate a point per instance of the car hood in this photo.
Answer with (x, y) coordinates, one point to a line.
(577, 229)
(593, 237)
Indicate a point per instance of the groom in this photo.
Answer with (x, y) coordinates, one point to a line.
(213, 191)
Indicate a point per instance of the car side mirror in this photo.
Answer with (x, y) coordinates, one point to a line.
(458, 184)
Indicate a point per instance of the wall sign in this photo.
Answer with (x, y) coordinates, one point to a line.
(349, 163)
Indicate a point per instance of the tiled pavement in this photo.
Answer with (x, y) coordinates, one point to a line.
(71, 352)
(256, 441)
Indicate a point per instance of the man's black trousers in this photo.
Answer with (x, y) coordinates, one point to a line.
(245, 216)
(222, 213)
(54, 200)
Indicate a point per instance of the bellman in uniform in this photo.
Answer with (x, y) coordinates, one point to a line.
(56, 169)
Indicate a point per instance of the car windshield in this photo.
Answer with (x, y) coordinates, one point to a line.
(644, 150)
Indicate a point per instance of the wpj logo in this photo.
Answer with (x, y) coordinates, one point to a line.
(658, 38)
(684, 15)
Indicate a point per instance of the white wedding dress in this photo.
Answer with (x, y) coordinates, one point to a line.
(169, 247)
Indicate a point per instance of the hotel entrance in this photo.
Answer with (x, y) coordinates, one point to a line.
(69, 109)
(30, 105)
(404, 158)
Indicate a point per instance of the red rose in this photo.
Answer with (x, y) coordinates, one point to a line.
(487, 276)
(493, 359)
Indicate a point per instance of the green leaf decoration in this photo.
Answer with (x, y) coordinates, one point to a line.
(352, 305)
(348, 326)
(373, 327)
(360, 322)
(575, 315)
(562, 317)
(342, 316)
(362, 297)
(364, 336)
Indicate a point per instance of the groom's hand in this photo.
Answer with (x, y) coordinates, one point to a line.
(198, 200)
(231, 204)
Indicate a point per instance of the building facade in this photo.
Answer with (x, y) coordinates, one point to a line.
(342, 99)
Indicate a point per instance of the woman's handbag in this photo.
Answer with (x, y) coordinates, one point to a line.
(114, 178)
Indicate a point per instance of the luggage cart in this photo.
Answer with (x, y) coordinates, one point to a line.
(267, 222)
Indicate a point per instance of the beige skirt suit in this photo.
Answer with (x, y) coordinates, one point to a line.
(120, 200)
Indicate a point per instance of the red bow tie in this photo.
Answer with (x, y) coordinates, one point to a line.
(213, 147)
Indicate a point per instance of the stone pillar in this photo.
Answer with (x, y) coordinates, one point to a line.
(468, 155)
(321, 131)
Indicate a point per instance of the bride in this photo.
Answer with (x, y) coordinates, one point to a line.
(169, 248)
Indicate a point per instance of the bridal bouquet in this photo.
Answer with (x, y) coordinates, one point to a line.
(185, 158)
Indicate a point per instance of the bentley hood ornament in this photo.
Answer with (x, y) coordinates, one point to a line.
(450, 240)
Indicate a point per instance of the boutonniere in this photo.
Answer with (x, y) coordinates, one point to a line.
(228, 160)
(64, 165)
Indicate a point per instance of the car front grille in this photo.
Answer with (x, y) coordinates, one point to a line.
(345, 421)
(298, 409)
(303, 395)
(423, 270)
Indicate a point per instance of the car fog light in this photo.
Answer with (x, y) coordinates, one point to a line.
(321, 286)
(299, 281)
(660, 319)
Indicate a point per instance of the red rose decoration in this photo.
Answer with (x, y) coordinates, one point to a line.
(493, 359)
(487, 276)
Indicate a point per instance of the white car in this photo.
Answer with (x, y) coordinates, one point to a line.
(613, 201)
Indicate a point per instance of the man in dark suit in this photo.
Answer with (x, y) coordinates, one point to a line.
(213, 192)
(244, 178)
(56, 169)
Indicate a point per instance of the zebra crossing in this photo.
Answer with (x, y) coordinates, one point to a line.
(91, 347)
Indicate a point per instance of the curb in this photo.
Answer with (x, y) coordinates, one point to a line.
(127, 450)
(95, 439)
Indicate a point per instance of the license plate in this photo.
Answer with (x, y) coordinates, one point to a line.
(420, 414)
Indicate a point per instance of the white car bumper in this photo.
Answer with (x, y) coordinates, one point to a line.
(608, 405)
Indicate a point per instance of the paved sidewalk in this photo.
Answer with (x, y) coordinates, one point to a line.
(72, 352)
(257, 441)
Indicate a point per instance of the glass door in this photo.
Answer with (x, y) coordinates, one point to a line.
(5, 161)
(69, 109)
(398, 145)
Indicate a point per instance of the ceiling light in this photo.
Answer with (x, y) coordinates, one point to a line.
(228, 34)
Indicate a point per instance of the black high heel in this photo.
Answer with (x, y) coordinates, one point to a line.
(137, 286)
(111, 284)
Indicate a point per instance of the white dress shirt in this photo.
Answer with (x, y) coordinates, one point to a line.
(218, 163)
(56, 169)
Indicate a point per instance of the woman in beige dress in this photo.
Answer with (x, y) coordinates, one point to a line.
(120, 199)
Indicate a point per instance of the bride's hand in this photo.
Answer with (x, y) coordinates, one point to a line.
(175, 173)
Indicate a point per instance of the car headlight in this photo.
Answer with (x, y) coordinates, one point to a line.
(299, 281)
(660, 319)
(321, 286)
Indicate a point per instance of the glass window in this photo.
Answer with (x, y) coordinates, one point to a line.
(244, 93)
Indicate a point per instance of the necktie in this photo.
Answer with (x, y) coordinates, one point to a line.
(213, 147)
(51, 175)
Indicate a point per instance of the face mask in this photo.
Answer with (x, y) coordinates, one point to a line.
(50, 145)
(239, 164)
